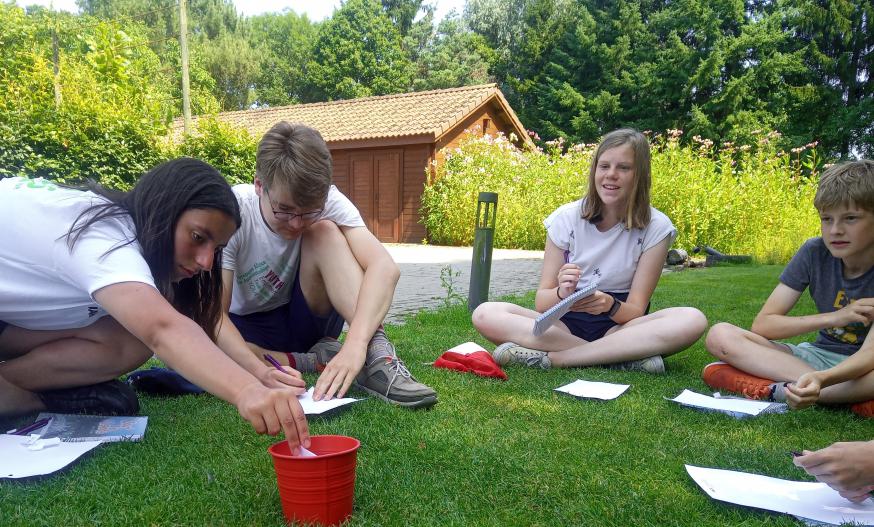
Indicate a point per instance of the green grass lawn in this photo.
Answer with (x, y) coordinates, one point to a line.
(490, 453)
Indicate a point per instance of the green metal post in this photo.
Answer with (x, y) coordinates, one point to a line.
(481, 261)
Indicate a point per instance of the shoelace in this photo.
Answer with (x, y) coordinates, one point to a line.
(527, 356)
(533, 360)
(397, 367)
(751, 391)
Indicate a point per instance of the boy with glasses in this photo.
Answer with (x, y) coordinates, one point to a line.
(302, 263)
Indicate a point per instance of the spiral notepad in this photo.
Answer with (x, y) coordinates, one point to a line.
(548, 317)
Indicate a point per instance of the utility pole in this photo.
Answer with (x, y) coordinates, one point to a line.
(56, 62)
(183, 48)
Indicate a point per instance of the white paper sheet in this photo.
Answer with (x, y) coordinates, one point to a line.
(311, 407)
(593, 390)
(18, 461)
(467, 348)
(722, 404)
(815, 501)
(303, 452)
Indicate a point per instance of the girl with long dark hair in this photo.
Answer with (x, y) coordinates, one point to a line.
(92, 283)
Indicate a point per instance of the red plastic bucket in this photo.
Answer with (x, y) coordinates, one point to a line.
(317, 489)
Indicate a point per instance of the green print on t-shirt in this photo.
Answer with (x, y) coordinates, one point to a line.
(38, 183)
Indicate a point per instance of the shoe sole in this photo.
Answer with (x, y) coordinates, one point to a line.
(425, 402)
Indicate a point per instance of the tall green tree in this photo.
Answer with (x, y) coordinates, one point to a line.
(285, 44)
(402, 13)
(206, 18)
(359, 53)
(453, 56)
(521, 34)
(217, 37)
(235, 66)
(835, 41)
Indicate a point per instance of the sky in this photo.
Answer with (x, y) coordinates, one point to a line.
(315, 10)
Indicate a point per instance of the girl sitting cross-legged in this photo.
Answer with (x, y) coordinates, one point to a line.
(611, 236)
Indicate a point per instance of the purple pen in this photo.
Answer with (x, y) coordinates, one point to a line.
(274, 362)
(31, 427)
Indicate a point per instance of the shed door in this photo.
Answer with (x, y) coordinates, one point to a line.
(375, 183)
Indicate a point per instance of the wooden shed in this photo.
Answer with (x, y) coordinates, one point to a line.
(383, 146)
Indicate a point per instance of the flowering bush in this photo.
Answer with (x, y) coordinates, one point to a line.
(748, 199)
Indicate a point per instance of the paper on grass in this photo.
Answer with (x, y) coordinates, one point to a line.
(18, 461)
(815, 501)
(593, 390)
(311, 407)
(729, 405)
(467, 348)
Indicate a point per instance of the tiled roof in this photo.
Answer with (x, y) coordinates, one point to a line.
(388, 116)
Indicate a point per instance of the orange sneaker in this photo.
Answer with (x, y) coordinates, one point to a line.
(865, 409)
(722, 376)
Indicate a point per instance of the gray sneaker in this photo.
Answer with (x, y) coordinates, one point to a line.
(387, 377)
(325, 350)
(511, 352)
(653, 364)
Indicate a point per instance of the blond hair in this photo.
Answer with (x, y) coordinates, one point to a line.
(296, 157)
(851, 182)
(637, 211)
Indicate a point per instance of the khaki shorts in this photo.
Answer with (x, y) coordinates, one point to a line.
(818, 358)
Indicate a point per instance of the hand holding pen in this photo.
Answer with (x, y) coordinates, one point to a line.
(568, 277)
(280, 377)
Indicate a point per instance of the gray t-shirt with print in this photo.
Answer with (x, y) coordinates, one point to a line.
(814, 266)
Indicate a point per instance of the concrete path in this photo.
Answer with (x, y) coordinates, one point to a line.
(513, 272)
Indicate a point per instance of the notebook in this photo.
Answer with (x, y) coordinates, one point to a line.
(548, 317)
(74, 428)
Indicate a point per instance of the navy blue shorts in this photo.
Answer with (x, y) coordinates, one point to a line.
(591, 327)
(291, 328)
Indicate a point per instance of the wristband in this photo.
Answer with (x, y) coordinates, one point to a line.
(615, 307)
(556, 293)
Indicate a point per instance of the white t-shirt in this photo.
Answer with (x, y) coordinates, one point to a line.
(264, 263)
(611, 257)
(43, 284)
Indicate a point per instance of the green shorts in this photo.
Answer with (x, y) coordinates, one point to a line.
(818, 358)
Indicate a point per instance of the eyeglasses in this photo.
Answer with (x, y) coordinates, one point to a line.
(306, 217)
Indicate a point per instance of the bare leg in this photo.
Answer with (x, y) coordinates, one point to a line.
(44, 360)
(754, 354)
(661, 333)
(505, 322)
(761, 357)
(330, 276)
(15, 401)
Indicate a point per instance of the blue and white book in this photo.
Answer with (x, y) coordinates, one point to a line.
(548, 317)
(75, 428)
